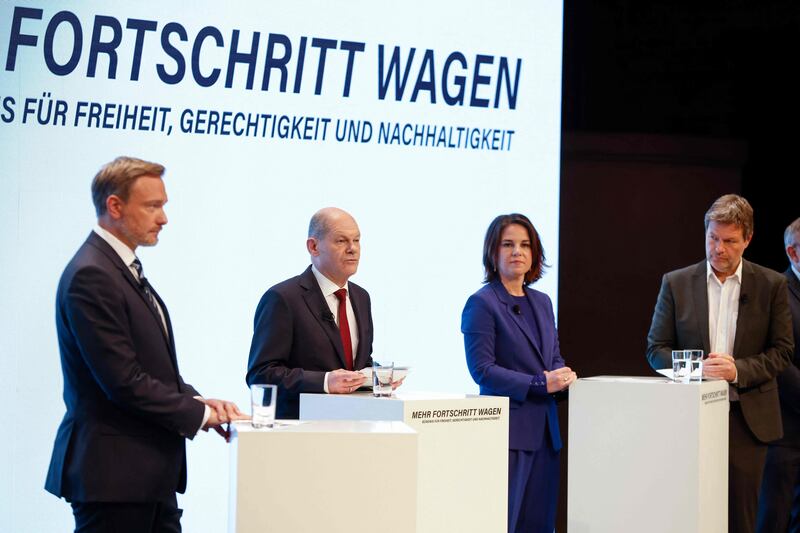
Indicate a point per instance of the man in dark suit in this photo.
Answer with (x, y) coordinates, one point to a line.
(738, 313)
(779, 503)
(119, 455)
(313, 332)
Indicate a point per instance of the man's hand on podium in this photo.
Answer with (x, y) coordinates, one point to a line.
(559, 379)
(344, 381)
(222, 412)
(720, 365)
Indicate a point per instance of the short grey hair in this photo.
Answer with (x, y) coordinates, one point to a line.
(791, 237)
(732, 209)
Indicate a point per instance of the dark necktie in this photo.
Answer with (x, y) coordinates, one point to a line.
(145, 286)
(344, 328)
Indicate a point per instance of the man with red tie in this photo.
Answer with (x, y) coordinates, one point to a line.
(313, 332)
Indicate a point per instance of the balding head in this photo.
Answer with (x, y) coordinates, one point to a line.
(334, 242)
(322, 220)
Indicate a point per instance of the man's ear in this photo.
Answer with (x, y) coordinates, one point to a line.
(791, 251)
(312, 245)
(114, 206)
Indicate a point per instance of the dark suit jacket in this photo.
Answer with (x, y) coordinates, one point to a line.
(504, 358)
(789, 379)
(762, 347)
(128, 410)
(296, 340)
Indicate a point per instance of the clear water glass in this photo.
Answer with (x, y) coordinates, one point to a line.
(263, 401)
(382, 375)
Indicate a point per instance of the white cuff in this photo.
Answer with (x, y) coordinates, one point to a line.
(206, 414)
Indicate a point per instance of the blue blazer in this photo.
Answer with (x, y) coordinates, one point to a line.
(505, 358)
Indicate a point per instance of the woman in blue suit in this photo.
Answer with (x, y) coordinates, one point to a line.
(512, 350)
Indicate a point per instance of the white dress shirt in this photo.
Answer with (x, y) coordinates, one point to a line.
(127, 256)
(328, 289)
(723, 311)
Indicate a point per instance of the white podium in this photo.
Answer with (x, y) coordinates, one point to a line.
(647, 454)
(463, 452)
(327, 477)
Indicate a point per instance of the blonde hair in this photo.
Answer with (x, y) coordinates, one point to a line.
(117, 177)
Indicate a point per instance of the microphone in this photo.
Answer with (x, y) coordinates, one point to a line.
(327, 315)
(516, 309)
(743, 299)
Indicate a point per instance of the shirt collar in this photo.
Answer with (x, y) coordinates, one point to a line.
(736, 275)
(125, 253)
(327, 286)
(796, 273)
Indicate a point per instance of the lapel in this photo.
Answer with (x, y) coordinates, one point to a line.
(505, 299)
(794, 286)
(318, 307)
(168, 336)
(359, 310)
(700, 296)
(745, 311)
(544, 334)
(98, 242)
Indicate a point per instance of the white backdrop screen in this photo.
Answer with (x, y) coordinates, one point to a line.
(425, 120)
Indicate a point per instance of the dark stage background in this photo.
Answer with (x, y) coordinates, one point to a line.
(665, 108)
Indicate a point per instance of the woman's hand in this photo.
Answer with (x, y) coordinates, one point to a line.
(559, 379)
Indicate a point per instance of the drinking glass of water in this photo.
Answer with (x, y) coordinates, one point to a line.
(680, 365)
(382, 375)
(695, 364)
(263, 401)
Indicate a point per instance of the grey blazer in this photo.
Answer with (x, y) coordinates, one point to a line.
(763, 345)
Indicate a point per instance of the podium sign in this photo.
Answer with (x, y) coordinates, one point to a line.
(647, 454)
(463, 452)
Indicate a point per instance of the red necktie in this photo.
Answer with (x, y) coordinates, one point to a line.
(344, 328)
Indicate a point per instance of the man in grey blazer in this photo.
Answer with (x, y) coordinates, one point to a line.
(738, 313)
(313, 332)
(779, 503)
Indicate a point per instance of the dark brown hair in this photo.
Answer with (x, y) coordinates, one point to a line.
(492, 242)
(117, 177)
